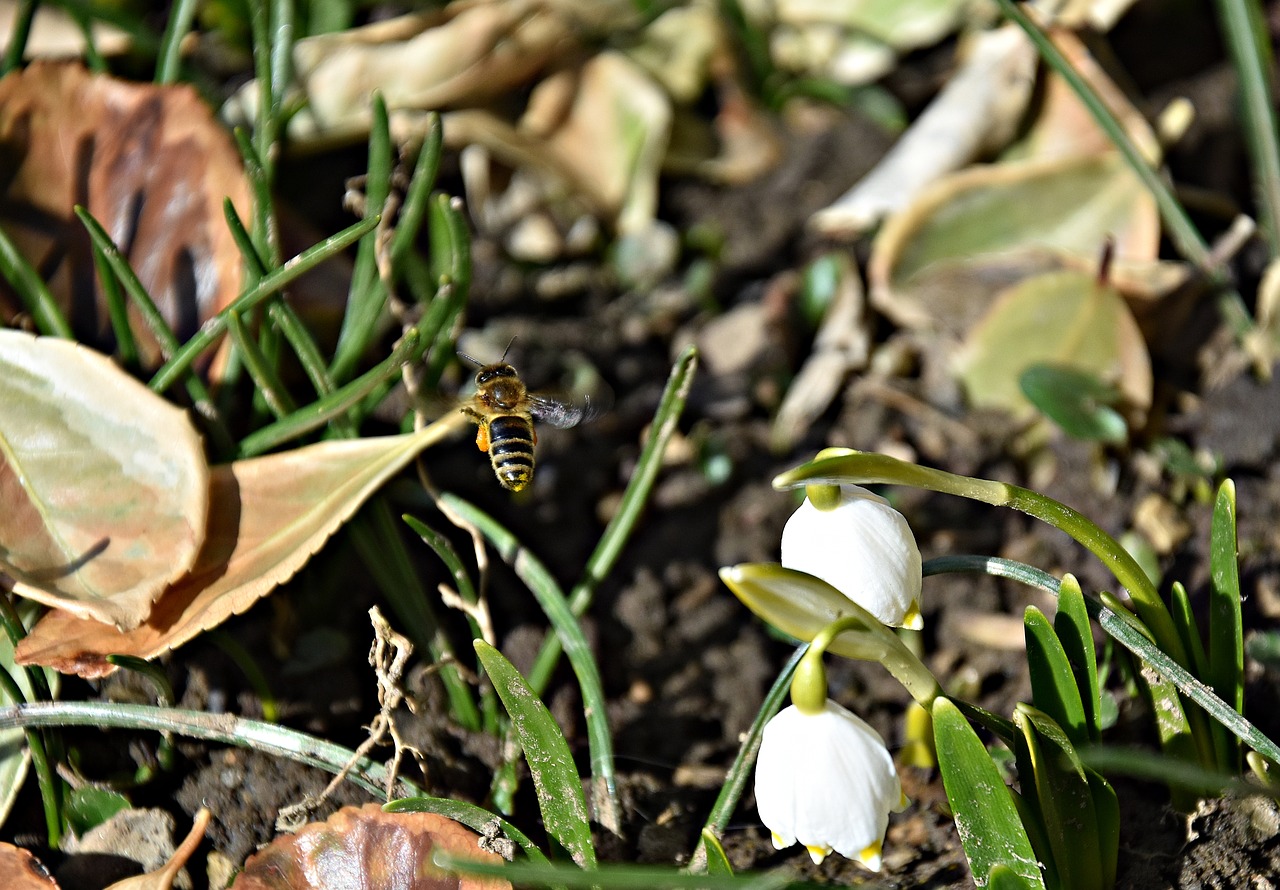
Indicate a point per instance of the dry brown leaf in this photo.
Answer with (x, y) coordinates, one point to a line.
(104, 483)
(267, 517)
(162, 879)
(22, 871)
(150, 163)
(365, 847)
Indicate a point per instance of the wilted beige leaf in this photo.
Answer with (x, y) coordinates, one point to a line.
(976, 112)
(1061, 318)
(150, 163)
(367, 848)
(104, 483)
(466, 54)
(1008, 215)
(56, 35)
(22, 871)
(267, 517)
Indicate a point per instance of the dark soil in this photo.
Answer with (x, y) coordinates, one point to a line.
(685, 665)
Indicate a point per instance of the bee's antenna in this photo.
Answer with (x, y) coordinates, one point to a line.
(468, 358)
(508, 349)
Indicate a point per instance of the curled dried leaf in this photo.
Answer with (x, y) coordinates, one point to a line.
(365, 847)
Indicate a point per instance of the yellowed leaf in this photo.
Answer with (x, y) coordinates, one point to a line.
(1060, 318)
(1008, 214)
(150, 163)
(365, 847)
(104, 483)
(267, 517)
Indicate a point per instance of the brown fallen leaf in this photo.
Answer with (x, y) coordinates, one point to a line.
(104, 483)
(150, 163)
(22, 871)
(367, 848)
(267, 517)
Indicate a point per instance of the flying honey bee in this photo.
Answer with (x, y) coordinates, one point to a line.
(506, 411)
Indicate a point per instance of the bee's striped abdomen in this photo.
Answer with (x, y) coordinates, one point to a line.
(511, 450)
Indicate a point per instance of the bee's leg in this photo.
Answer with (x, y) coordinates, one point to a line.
(482, 436)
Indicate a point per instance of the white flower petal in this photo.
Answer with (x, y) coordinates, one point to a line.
(825, 780)
(864, 548)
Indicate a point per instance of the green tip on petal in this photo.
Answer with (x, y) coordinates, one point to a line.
(870, 856)
(817, 854)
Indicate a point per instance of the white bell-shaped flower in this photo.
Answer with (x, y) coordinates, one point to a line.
(862, 547)
(826, 780)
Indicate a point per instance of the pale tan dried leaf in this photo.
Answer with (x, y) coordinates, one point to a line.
(465, 55)
(150, 163)
(367, 848)
(56, 35)
(1064, 127)
(163, 878)
(977, 111)
(268, 516)
(901, 24)
(842, 345)
(22, 871)
(104, 483)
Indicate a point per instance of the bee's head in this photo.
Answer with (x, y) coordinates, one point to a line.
(493, 372)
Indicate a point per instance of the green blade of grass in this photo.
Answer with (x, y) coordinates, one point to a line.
(264, 376)
(735, 781)
(555, 777)
(605, 555)
(1053, 683)
(1182, 232)
(212, 329)
(1226, 635)
(476, 818)
(32, 290)
(1071, 624)
(565, 624)
(181, 14)
(19, 32)
(1245, 29)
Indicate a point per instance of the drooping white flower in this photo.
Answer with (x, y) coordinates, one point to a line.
(826, 780)
(862, 547)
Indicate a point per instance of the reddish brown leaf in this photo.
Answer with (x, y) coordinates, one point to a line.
(149, 162)
(365, 847)
(22, 871)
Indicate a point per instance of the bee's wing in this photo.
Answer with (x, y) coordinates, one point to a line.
(561, 414)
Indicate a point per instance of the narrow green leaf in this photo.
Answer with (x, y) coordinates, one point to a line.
(417, 196)
(169, 58)
(555, 777)
(1075, 633)
(1226, 638)
(717, 860)
(1004, 878)
(740, 771)
(260, 368)
(552, 601)
(1053, 683)
(19, 31)
(605, 555)
(368, 296)
(1075, 400)
(1062, 798)
(986, 817)
(304, 262)
(32, 290)
(613, 877)
(1106, 810)
(1185, 620)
